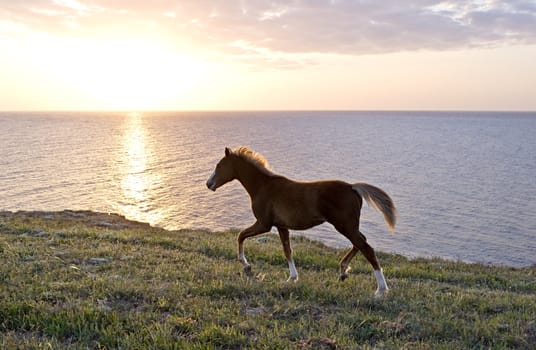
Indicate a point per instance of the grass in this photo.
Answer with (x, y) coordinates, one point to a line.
(81, 280)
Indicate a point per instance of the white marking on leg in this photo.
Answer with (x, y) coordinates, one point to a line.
(382, 285)
(242, 257)
(293, 271)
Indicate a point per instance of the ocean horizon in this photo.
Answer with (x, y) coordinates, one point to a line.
(463, 181)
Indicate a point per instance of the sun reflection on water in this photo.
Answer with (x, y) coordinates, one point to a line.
(137, 179)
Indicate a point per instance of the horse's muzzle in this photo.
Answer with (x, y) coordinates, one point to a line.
(211, 186)
(211, 183)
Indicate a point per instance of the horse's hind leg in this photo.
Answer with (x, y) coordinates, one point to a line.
(369, 254)
(345, 262)
(359, 242)
(285, 240)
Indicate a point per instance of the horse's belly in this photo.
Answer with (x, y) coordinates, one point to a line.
(306, 225)
(297, 221)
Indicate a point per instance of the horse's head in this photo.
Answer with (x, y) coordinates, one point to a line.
(223, 173)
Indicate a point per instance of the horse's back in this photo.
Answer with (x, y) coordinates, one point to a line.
(302, 205)
(337, 199)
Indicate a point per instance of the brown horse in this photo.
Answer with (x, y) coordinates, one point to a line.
(291, 205)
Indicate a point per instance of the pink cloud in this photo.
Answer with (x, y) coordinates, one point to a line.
(291, 27)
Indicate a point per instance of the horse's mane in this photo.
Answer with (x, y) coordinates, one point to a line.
(252, 157)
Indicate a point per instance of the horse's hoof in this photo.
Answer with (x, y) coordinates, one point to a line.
(380, 293)
(247, 270)
(293, 279)
(344, 274)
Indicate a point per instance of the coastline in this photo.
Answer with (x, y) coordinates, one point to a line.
(86, 217)
(117, 221)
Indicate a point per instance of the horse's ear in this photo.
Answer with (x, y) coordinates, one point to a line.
(227, 151)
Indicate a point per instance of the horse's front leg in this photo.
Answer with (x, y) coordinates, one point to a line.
(253, 230)
(285, 240)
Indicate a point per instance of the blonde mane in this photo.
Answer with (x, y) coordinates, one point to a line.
(252, 157)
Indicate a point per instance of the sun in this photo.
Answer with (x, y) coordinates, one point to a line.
(142, 75)
(139, 75)
(123, 74)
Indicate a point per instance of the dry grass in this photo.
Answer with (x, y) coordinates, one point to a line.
(80, 280)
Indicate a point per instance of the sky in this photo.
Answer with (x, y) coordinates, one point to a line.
(267, 55)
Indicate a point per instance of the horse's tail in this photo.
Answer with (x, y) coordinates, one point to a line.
(378, 199)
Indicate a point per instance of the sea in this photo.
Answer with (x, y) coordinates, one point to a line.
(464, 183)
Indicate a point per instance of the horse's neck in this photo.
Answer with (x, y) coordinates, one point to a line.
(252, 178)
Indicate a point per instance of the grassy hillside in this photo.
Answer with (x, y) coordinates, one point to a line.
(75, 280)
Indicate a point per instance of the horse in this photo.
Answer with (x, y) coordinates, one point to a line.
(293, 205)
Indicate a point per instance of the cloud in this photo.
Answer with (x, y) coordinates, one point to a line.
(283, 31)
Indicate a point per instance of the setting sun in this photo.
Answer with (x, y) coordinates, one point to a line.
(119, 74)
(138, 75)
